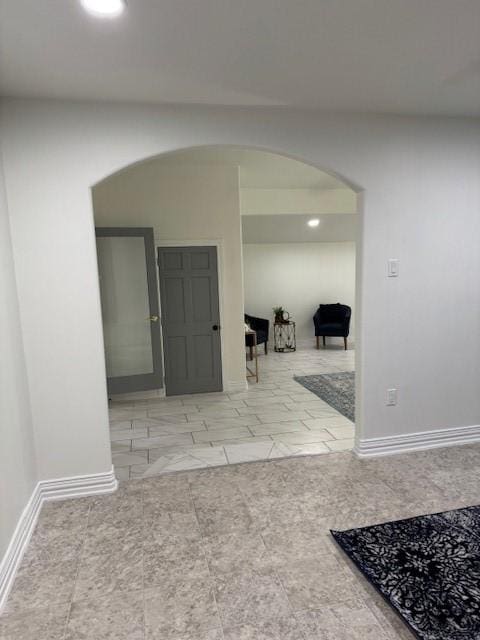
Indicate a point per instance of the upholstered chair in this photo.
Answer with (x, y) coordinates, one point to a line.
(261, 327)
(332, 320)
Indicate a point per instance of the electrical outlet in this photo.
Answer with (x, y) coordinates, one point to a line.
(391, 397)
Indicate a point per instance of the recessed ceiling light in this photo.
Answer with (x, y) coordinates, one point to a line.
(104, 8)
(314, 222)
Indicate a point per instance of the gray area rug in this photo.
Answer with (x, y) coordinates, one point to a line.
(338, 389)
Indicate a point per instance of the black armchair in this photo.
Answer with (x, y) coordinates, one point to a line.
(332, 320)
(261, 327)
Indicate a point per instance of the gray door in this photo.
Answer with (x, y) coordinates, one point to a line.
(190, 319)
(129, 296)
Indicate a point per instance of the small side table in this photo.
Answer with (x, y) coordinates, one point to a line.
(284, 338)
(253, 373)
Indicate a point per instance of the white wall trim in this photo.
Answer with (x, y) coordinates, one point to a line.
(390, 445)
(139, 395)
(58, 489)
(18, 544)
(78, 486)
(235, 386)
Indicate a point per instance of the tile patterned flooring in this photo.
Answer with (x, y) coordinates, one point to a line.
(275, 418)
(239, 552)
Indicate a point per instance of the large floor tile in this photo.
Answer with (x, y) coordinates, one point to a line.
(164, 525)
(186, 607)
(283, 627)
(176, 428)
(104, 618)
(346, 621)
(192, 457)
(107, 536)
(218, 422)
(315, 583)
(221, 434)
(179, 556)
(126, 459)
(245, 440)
(159, 441)
(42, 585)
(283, 426)
(69, 514)
(124, 504)
(341, 445)
(235, 552)
(249, 597)
(40, 624)
(302, 437)
(224, 515)
(342, 433)
(296, 541)
(128, 433)
(218, 412)
(53, 545)
(109, 573)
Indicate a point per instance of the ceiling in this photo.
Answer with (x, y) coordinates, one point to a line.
(293, 228)
(398, 56)
(260, 169)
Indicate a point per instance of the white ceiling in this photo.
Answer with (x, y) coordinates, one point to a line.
(260, 169)
(401, 56)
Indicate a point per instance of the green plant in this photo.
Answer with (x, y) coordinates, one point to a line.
(278, 312)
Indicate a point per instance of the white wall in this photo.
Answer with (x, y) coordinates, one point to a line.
(187, 203)
(332, 227)
(17, 460)
(421, 205)
(299, 276)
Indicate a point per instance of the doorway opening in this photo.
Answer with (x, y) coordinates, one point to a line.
(234, 239)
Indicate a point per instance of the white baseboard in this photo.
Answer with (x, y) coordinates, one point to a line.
(390, 445)
(139, 395)
(234, 386)
(58, 489)
(18, 544)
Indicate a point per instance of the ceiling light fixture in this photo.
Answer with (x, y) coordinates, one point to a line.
(314, 222)
(104, 8)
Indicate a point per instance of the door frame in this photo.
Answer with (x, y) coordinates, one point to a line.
(143, 381)
(218, 244)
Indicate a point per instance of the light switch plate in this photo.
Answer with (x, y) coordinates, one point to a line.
(391, 397)
(393, 267)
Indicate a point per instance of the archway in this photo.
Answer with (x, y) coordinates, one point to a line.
(153, 186)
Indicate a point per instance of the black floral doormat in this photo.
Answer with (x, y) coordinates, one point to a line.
(427, 568)
(338, 389)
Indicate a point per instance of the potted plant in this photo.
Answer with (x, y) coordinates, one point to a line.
(281, 316)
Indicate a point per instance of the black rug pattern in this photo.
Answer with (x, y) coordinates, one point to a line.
(427, 568)
(338, 389)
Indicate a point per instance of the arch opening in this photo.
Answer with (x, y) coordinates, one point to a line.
(252, 208)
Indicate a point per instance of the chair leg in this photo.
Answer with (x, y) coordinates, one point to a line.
(318, 341)
(266, 348)
(251, 352)
(324, 343)
(345, 343)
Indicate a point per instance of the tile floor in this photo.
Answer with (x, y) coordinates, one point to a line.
(240, 552)
(275, 418)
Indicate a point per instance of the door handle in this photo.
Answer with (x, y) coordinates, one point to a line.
(153, 318)
(215, 327)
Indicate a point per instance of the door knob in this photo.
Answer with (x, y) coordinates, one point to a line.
(215, 327)
(153, 318)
